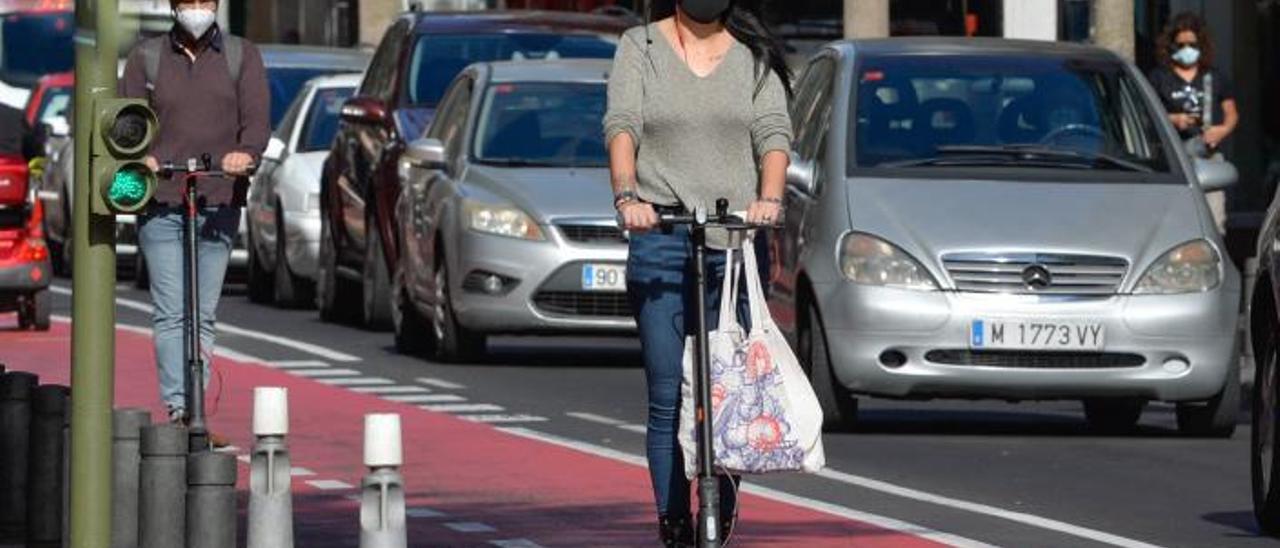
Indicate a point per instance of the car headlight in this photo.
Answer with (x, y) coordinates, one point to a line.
(501, 220)
(1193, 267)
(868, 260)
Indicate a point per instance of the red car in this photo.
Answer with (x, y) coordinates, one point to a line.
(52, 97)
(24, 258)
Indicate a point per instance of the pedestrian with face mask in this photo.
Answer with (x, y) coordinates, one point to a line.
(1187, 82)
(697, 112)
(209, 91)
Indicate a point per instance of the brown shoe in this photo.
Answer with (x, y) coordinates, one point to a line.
(217, 441)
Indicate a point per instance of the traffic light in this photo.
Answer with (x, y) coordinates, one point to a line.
(122, 134)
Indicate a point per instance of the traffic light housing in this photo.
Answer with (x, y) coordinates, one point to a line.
(122, 134)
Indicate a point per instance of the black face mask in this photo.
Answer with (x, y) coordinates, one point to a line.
(705, 11)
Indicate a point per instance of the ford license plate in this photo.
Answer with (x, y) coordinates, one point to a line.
(1064, 335)
(604, 277)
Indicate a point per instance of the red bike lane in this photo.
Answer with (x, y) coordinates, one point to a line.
(467, 484)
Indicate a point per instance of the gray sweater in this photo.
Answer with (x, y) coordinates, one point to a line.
(697, 139)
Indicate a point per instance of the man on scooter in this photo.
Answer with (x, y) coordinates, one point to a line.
(209, 91)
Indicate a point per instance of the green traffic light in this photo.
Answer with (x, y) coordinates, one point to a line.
(129, 187)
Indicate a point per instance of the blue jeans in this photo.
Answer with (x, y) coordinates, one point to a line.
(160, 236)
(661, 287)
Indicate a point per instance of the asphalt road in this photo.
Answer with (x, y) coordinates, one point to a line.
(991, 472)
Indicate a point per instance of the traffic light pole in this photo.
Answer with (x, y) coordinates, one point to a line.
(93, 290)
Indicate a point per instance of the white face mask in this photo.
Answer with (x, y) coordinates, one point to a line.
(196, 21)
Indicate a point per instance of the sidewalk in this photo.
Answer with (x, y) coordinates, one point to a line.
(468, 484)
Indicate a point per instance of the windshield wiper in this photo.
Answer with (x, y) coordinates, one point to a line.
(513, 162)
(1041, 154)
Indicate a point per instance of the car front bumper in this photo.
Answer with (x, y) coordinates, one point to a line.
(1167, 348)
(543, 290)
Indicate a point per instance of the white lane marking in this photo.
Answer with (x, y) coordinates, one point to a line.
(819, 506)
(292, 364)
(470, 527)
(325, 372)
(426, 398)
(390, 389)
(329, 485)
(440, 383)
(244, 458)
(463, 408)
(637, 428)
(515, 543)
(503, 419)
(298, 471)
(592, 417)
(420, 512)
(230, 329)
(146, 331)
(984, 509)
(362, 381)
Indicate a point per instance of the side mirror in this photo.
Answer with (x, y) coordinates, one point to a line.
(426, 154)
(275, 150)
(1215, 174)
(364, 110)
(800, 174)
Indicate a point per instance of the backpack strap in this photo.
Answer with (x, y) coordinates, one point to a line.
(233, 49)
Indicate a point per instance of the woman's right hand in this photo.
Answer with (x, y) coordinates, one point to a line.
(638, 216)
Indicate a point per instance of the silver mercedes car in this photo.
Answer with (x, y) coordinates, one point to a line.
(505, 215)
(1003, 219)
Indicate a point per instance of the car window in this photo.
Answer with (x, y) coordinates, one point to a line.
(451, 122)
(33, 44)
(54, 104)
(812, 113)
(286, 84)
(290, 120)
(542, 124)
(437, 59)
(380, 78)
(954, 110)
(322, 119)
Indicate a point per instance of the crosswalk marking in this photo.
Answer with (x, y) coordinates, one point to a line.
(289, 364)
(390, 389)
(421, 512)
(329, 485)
(439, 383)
(298, 471)
(503, 419)
(470, 527)
(592, 417)
(362, 381)
(464, 408)
(515, 543)
(637, 428)
(426, 398)
(325, 372)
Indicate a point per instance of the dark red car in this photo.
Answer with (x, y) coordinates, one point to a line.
(24, 257)
(419, 57)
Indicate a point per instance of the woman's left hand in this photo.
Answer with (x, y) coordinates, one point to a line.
(1215, 135)
(764, 213)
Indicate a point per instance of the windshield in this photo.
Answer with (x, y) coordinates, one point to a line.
(54, 104)
(542, 124)
(33, 44)
(1041, 112)
(285, 84)
(322, 121)
(437, 59)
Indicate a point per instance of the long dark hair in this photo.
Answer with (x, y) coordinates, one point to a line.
(743, 22)
(1183, 22)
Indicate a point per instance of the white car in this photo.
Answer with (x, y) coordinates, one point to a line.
(283, 213)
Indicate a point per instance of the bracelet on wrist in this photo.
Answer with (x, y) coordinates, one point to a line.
(771, 200)
(625, 197)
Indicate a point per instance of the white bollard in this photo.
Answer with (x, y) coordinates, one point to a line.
(382, 508)
(270, 480)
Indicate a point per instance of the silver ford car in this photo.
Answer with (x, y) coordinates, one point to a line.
(1003, 219)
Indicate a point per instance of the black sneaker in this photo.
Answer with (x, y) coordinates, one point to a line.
(675, 532)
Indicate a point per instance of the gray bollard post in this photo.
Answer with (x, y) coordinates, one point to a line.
(66, 476)
(270, 481)
(126, 458)
(44, 467)
(211, 500)
(382, 508)
(15, 439)
(162, 487)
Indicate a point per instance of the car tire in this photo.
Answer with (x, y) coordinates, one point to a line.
(1113, 415)
(1217, 417)
(260, 280)
(141, 277)
(60, 250)
(35, 311)
(1263, 455)
(335, 297)
(839, 406)
(413, 335)
(454, 343)
(375, 288)
(291, 290)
